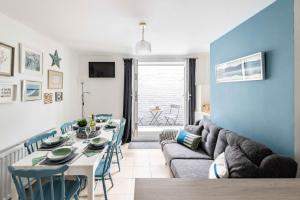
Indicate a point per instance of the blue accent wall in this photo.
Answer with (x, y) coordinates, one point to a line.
(260, 110)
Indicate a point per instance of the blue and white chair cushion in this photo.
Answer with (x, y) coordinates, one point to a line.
(188, 139)
(218, 168)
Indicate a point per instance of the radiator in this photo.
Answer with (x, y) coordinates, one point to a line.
(8, 158)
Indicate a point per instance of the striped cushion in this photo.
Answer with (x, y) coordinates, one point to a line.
(218, 168)
(188, 139)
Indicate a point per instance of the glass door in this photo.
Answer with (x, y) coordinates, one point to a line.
(159, 96)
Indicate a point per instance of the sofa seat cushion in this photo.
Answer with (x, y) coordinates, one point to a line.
(190, 168)
(177, 151)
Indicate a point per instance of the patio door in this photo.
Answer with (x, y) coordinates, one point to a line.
(159, 97)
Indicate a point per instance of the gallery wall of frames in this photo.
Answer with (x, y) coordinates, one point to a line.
(31, 63)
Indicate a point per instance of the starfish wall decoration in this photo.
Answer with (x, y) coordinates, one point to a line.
(55, 59)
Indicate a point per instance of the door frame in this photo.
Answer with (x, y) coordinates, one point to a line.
(135, 88)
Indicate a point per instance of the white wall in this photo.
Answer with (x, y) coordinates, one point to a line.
(106, 94)
(297, 80)
(202, 83)
(21, 120)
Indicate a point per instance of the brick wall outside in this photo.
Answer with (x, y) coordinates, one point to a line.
(160, 86)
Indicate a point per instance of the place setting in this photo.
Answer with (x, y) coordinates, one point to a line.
(95, 146)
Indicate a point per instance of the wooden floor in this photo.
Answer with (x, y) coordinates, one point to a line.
(226, 189)
(137, 163)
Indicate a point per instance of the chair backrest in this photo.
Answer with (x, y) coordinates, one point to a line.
(174, 109)
(24, 178)
(33, 143)
(121, 131)
(103, 116)
(108, 157)
(68, 126)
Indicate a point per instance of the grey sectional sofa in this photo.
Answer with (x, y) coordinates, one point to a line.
(245, 158)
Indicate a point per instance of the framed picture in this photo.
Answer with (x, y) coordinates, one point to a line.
(6, 60)
(247, 68)
(48, 98)
(58, 96)
(31, 90)
(31, 61)
(55, 79)
(7, 92)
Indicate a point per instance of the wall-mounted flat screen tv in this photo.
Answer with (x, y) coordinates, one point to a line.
(101, 69)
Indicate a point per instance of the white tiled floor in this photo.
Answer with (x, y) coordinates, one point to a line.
(137, 163)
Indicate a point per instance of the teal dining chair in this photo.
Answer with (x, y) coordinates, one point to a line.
(68, 126)
(103, 168)
(44, 184)
(33, 143)
(118, 143)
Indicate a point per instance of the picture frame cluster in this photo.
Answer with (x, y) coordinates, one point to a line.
(31, 64)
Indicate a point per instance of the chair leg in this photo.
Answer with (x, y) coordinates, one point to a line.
(112, 183)
(104, 188)
(76, 197)
(121, 152)
(118, 158)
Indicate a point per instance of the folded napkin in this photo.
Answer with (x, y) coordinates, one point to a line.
(89, 152)
(37, 160)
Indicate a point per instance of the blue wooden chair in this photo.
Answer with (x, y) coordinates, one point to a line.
(33, 143)
(54, 186)
(117, 146)
(103, 168)
(68, 126)
(103, 116)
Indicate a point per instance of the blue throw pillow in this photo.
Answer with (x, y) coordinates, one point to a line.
(188, 139)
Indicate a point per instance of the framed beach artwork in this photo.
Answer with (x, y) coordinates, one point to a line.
(31, 90)
(31, 61)
(7, 92)
(6, 60)
(55, 79)
(248, 68)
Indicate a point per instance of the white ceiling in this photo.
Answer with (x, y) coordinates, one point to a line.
(111, 26)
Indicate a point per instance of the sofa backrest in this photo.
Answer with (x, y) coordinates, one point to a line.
(268, 165)
(256, 152)
(209, 134)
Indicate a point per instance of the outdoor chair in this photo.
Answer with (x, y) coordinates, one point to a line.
(172, 116)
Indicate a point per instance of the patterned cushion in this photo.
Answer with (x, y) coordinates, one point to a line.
(218, 168)
(188, 139)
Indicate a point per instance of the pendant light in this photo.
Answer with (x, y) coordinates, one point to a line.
(143, 47)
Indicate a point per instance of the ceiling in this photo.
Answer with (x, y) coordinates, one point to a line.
(175, 27)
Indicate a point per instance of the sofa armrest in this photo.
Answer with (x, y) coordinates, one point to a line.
(167, 136)
(277, 166)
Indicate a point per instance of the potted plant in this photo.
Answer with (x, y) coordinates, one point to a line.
(81, 132)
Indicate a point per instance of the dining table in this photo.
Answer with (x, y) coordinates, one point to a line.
(82, 164)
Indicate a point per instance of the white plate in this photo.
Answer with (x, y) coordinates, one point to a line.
(53, 140)
(59, 153)
(98, 141)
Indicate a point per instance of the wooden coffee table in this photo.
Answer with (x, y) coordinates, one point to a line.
(226, 189)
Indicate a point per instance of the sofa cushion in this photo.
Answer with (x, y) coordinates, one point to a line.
(254, 151)
(194, 129)
(177, 151)
(188, 139)
(190, 168)
(276, 166)
(209, 135)
(239, 165)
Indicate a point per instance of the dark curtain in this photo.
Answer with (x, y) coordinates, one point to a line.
(127, 100)
(192, 91)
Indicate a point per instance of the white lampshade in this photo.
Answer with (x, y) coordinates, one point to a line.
(143, 47)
